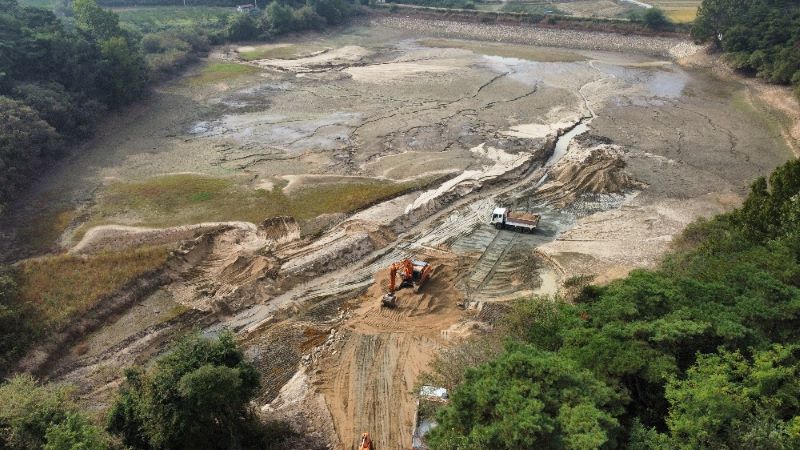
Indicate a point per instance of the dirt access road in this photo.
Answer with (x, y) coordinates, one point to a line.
(459, 118)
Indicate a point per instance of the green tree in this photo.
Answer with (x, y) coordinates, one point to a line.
(758, 37)
(241, 27)
(34, 416)
(126, 71)
(528, 399)
(655, 19)
(196, 396)
(279, 18)
(730, 401)
(101, 23)
(25, 141)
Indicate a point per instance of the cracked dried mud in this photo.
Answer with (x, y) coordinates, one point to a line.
(288, 188)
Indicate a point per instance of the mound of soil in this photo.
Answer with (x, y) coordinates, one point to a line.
(592, 165)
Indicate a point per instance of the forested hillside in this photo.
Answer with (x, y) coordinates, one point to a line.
(59, 74)
(702, 353)
(55, 80)
(759, 36)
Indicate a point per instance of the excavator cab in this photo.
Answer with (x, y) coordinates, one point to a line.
(366, 442)
(412, 273)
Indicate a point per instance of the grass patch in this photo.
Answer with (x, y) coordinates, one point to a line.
(774, 120)
(530, 8)
(185, 199)
(505, 50)
(279, 52)
(214, 73)
(159, 18)
(42, 233)
(59, 288)
(679, 11)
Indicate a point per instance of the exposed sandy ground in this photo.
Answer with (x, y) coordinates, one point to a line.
(664, 145)
(368, 378)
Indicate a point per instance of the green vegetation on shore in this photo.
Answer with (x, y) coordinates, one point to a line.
(195, 396)
(55, 80)
(60, 73)
(703, 352)
(759, 37)
(183, 199)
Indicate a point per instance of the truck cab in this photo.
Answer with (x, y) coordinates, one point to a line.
(516, 220)
(499, 216)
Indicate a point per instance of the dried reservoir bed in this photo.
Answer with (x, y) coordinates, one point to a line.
(286, 177)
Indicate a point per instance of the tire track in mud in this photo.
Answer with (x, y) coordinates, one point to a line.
(367, 380)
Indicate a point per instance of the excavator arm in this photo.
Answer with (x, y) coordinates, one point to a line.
(392, 277)
(406, 272)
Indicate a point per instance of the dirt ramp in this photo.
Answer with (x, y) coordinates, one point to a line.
(368, 378)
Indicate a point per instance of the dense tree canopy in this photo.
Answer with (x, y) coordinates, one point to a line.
(56, 77)
(528, 398)
(196, 396)
(33, 416)
(702, 353)
(55, 80)
(760, 36)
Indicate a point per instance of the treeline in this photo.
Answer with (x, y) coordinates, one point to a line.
(759, 36)
(701, 353)
(55, 81)
(197, 396)
(58, 75)
(290, 16)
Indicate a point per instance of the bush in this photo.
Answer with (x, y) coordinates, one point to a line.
(196, 396)
(36, 416)
(15, 329)
(528, 399)
(241, 27)
(655, 19)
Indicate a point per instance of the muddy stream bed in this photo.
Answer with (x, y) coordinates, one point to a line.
(287, 177)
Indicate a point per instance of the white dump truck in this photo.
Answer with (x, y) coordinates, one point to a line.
(516, 220)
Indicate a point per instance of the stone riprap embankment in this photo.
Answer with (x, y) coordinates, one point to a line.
(660, 46)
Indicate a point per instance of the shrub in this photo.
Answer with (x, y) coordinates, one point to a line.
(195, 396)
(655, 19)
(36, 416)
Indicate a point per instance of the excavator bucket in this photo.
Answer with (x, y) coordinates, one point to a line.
(389, 300)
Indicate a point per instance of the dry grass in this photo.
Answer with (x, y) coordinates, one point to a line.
(62, 287)
(682, 15)
(679, 11)
(186, 199)
(42, 233)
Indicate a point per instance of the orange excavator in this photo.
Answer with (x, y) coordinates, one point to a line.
(413, 273)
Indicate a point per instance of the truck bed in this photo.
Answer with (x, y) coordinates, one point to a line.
(523, 218)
